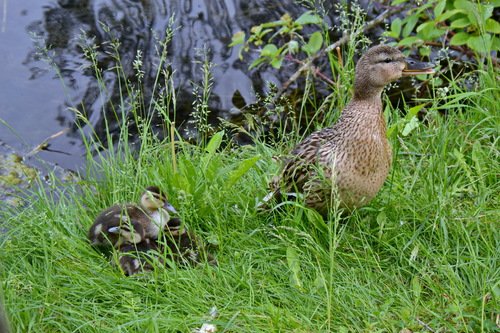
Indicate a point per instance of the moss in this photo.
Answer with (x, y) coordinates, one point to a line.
(14, 174)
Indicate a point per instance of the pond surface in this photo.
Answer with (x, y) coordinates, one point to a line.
(45, 77)
(36, 102)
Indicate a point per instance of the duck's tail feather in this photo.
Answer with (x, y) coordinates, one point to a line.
(275, 199)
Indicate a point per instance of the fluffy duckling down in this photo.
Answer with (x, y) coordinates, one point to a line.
(174, 245)
(131, 223)
(145, 233)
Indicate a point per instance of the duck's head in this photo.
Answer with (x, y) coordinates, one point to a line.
(383, 64)
(153, 199)
(128, 233)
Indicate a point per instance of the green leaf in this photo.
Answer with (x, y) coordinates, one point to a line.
(391, 34)
(293, 261)
(416, 287)
(424, 51)
(478, 158)
(414, 253)
(396, 26)
(485, 12)
(381, 221)
(410, 25)
(276, 62)
(214, 143)
(257, 62)
(438, 10)
(429, 31)
(426, 25)
(465, 5)
(256, 29)
(481, 43)
(460, 23)
(496, 290)
(241, 170)
(270, 50)
(293, 46)
(470, 9)
(314, 44)
(309, 18)
(317, 220)
(392, 130)
(467, 171)
(410, 41)
(447, 14)
(495, 45)
(492, 26)
(460, 38)
(413, 111)
(476, 12)
(264, 32)
(410, 126)
(211, 149)
(238, 38)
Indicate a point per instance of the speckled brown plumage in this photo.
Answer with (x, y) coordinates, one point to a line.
(131, 223)
(349, 162)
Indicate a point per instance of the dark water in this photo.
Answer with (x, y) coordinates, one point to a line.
(35, 102)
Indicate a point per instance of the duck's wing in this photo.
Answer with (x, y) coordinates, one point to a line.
(114, 222)
(297, 169)
(304, 160)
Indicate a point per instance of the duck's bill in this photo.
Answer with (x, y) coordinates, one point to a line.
(114, 230)
(170, 208)
(408, 72)
(414, 67)
(121, 229)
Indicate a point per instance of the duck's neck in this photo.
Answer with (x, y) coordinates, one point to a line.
(365, 106)
(367, 93)
(365, 88)
(160, 218)
(366, 112)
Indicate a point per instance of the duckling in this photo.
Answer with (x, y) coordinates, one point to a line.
(130, 223)
(349, 162)
(184, 246)
(176, 242)
(135, 258)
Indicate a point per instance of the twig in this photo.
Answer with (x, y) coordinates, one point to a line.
(45, 144)
(339, 56)
(427, 327)
(315, 70)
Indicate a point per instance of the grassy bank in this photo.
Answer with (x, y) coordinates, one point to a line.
(424, 255)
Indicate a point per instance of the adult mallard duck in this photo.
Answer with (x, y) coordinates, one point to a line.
(132, 223)
(348, 162)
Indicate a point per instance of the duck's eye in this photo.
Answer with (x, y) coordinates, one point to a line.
(387, 60)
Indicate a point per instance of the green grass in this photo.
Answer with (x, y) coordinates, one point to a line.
(424, 254)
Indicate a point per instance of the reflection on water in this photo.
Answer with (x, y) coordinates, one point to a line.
(137, 25)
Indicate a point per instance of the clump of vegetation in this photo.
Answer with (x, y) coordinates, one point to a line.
(448, 23)
(439, 23)
(423, 256)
